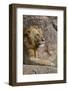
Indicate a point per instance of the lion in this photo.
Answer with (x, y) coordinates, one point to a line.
(33, 39)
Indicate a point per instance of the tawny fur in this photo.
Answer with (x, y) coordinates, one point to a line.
(33, 37)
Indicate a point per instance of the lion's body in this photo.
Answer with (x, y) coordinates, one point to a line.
(33, 38)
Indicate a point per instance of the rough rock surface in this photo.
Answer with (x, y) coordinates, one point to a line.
(48, 24)
(36, 69)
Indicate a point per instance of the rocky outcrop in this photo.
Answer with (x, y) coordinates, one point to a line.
(48, 24)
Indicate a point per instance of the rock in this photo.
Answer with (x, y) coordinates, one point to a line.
(37, 69)
(48, 24)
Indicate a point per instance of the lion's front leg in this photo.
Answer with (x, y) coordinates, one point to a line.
(38, 61)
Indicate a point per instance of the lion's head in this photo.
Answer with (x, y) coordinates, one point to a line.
(33, 37)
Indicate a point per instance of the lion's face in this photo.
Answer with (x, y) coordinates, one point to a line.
(34, 36)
